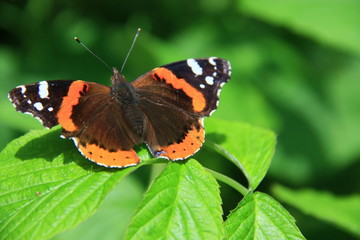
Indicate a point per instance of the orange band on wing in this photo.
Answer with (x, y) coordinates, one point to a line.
(189, 145)
(109, 159)
(198, 100)
(69, 101)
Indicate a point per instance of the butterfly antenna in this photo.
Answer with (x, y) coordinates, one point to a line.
(82, 44)
(131, 47)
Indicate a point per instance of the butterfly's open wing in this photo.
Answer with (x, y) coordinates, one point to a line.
(86, 114)
(175, 98)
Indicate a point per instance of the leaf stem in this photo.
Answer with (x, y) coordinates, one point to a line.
(229, 181)
(230, 157)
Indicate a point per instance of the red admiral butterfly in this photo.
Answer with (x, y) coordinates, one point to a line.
(163, 108)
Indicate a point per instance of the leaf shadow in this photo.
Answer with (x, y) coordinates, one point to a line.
(217, 138)
(50, 145)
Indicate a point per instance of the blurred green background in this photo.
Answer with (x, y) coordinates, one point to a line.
(295, 64)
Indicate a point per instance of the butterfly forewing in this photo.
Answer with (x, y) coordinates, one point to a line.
(42, 100)
(201, 79)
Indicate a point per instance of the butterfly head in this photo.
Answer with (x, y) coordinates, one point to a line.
(117, 77)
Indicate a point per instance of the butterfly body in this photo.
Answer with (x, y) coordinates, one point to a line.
(163, 108)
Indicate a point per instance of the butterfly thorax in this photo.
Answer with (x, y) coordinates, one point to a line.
(121, 90)
(125, 94)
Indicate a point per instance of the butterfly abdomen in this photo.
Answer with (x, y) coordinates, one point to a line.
(135, 118)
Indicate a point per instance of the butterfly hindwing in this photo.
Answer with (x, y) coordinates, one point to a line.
(90, 116)
(168, 120)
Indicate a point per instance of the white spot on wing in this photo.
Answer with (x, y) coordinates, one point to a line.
(76, 142)
(194, 65)
(39, 119)
(50, 109)
(29, 113)
(43, 89)
(209, 80)
(38, 106)
(22, 88)
(29, 101)
(212, 61)
(202, 86)
(202, 122)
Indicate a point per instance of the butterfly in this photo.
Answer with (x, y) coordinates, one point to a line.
(164, 108)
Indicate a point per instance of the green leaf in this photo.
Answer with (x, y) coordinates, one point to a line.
(46, 186)
(333, 22)
(16, 120)
(338, 128)
(250, 148)
(342, 211)
(182, 203)
(258, 216)
(111, 219)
